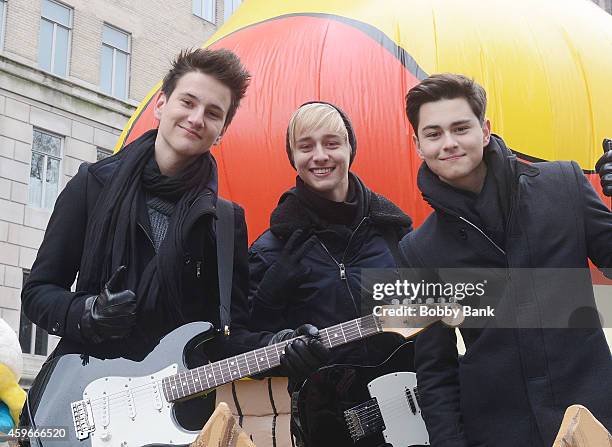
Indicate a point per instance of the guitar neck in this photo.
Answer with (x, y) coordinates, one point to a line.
(204, 378)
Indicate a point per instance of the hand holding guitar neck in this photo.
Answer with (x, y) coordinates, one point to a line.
(304, 354)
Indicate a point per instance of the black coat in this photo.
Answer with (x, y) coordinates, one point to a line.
(325, 299)
(49, 302)
(513, 385)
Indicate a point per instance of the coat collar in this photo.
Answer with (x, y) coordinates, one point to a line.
(523, 168)
(502, 163)
(290, 214)
(204, 204)
(103, 170)
(518, 167)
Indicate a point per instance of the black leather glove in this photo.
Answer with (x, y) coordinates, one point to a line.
(304, 355)
(109, 315)
(287, 272)
(604, 168)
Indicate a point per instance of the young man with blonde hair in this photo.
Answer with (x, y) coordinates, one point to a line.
(493, 211)
(306, 268)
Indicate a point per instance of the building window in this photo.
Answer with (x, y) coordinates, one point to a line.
(114, 67)
(229, 7)
(44, 169)
(102, 153)
(205, 9)
(2, 22)
(33, 340)
(54, 38)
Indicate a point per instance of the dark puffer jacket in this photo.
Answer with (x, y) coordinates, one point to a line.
(326, 298)
(513, 385)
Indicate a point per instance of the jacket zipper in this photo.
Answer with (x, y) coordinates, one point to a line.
(202, 213)
(342, 271)
(341, 265)
(483, 233)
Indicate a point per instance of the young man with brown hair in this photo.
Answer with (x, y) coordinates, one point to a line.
(139, 227)
(493, 211)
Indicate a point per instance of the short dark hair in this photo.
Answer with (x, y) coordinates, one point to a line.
(445, 86)
(221, 64)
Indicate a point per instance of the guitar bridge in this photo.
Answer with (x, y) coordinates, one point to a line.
(364, 419)
(353, 424)
(82, 416)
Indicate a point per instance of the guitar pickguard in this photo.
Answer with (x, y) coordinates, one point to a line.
(397, 398)
(131, 411)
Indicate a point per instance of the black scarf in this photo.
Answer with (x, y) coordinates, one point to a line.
(332, 221)
(172, 188)
(348, 213)
(110, 239)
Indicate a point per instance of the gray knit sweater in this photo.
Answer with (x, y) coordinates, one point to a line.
(160, 211)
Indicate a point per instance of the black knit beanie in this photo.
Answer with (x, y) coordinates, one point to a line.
(352, 140)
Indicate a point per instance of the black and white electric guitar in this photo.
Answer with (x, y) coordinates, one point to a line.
(362, 406)
(394, 410)
(124, 403)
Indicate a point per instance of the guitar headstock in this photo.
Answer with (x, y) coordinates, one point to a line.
(409, 320)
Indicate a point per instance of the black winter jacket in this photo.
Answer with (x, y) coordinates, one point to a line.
(326, 298)
(49, 302)
(513, 385)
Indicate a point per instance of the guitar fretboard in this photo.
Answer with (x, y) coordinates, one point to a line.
(212, 375)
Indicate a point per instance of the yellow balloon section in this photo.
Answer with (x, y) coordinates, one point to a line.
(546, 65)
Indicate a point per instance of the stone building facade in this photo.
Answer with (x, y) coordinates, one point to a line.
(72, 72)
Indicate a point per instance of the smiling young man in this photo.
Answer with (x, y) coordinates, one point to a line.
(139, 227)
(306, 268)
(495, 212)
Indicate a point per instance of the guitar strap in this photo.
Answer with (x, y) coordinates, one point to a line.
(225, 258)
(297, 431)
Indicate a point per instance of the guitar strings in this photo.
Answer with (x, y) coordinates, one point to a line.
(252, 364)
(223, 368)
(98, 402)
(158, 383)
(388, 405)
(393, 417)
(389, 418)
(150, 386)
(370, 415)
